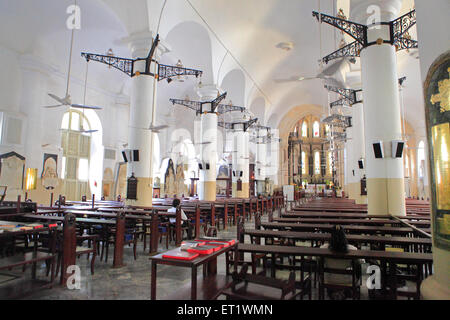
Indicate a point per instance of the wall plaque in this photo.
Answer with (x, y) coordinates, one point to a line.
(437, 115)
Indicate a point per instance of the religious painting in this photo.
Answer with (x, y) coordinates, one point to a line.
(437, 111)
(223, 172)
(169, 180)
(221, 185)
(157, 183)
(12, 171)
(49, 175)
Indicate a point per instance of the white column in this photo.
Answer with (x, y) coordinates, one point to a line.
(208, 153)
(143, 91)
(355, 152)
(260, 167)
(382, 116)
(35, 77)
(241, 162)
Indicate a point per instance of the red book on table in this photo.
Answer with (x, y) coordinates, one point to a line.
(229, 242)
(205, 249)
(180, 255)
(219, 244)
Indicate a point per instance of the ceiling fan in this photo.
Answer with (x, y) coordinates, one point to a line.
(152, 128)
(67, 100)
(326, 74)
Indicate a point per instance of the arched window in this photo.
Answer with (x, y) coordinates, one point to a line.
(327, 129)
(303, 163)
(406, 165)
(76, 154)
(304, 129)
(316, 129)
(317, 162)
(421, 159)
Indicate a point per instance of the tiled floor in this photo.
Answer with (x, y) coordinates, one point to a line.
(133, 280)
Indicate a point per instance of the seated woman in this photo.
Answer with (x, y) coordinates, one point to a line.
(184, 219)
(175, 203)
(339, 244)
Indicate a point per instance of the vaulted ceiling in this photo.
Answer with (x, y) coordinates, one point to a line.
(233, 41)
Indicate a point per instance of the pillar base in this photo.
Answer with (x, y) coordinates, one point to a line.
(209, 192)
(244, 193)
(431, 289)
(354, 193)
(144, 193)
(386, 196)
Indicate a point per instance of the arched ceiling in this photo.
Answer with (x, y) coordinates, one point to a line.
(216, 36)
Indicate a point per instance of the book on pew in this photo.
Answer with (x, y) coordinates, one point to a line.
(35, 225)
(50, 225)
(204, 250)
(180, 255)
(185, 245)
(219, 244)
(212, 239)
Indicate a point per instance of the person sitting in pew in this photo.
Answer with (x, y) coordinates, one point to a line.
(339, 244)
(185, 225)
(175, 204)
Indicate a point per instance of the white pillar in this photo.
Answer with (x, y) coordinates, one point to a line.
(355, 152)
(35, 77)
(208, 153)
(143, 91)
(241, 162)
(260, 167)
(382, 116)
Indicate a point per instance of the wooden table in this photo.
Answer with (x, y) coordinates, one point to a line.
(379, 221)
(385, 257)
(33, 257)
(349, 228)
(209, 263)
(352, 238)
(344, 215)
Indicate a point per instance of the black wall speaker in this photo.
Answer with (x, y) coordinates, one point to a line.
(361, 163)
(136, 155)
(200, 166)
(124, 155)
(378, 149)
(207, 166)
(234, 173)
(241, 173)
(397, 148)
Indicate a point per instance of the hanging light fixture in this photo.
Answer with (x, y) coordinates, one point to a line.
(179, 77)
(110, 53)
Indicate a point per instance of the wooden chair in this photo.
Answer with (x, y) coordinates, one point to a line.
(353, 287)
(236, 258)
(255, 287)
(109, 237)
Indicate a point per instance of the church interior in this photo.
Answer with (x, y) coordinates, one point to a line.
(295, 149)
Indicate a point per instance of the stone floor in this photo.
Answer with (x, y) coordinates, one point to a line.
(131, 282)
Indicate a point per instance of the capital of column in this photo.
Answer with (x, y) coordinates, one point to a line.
(141, 42)
(363, 11)
(207, 92)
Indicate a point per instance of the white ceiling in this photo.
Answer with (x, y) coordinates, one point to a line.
(229, 40)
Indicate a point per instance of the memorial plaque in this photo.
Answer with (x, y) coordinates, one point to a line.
(437, 114)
